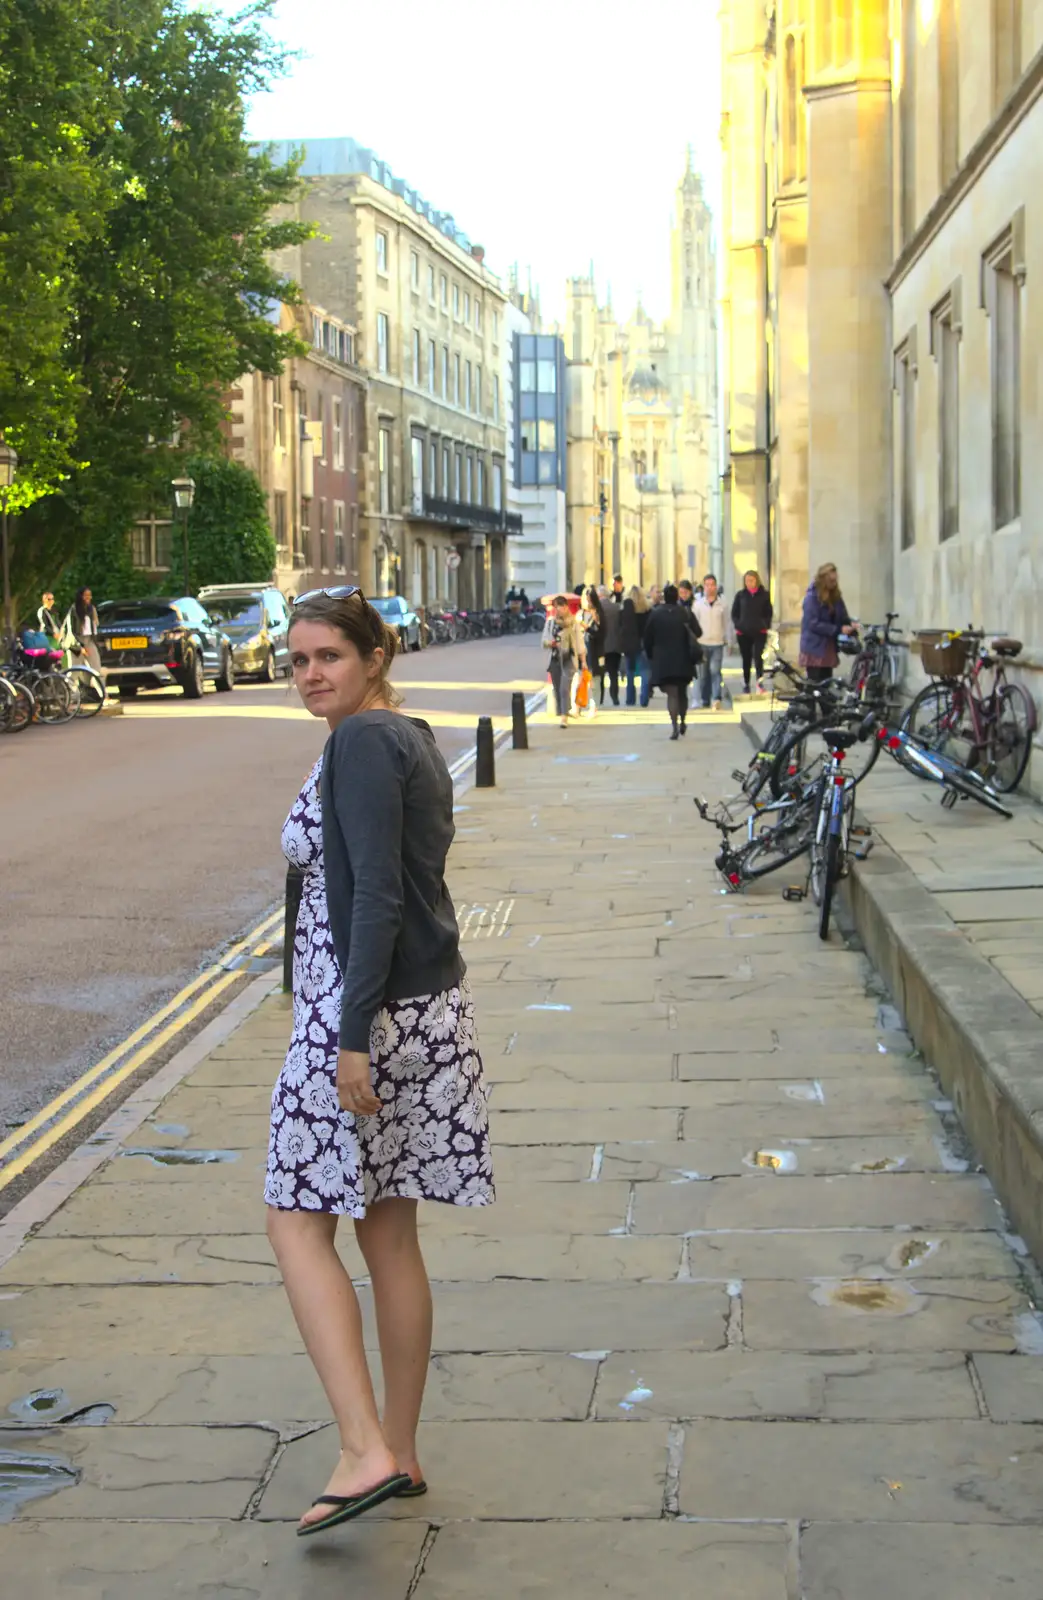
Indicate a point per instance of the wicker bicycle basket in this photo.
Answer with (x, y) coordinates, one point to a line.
(943, 655)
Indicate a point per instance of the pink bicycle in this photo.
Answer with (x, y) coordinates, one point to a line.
(985, 725)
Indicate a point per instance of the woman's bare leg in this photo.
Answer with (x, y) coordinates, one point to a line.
(387, 1237)
(326, 1309)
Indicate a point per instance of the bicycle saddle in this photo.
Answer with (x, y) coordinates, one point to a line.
(841, 738)
(1007, 647)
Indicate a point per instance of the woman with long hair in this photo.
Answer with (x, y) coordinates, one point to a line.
(381, 1101)
(594, 638)
(80, 631)
(751, 619)
(825, 618)
(636, 612)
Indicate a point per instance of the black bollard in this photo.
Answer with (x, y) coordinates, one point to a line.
(485, 764)
(294, 889)
(520, 726)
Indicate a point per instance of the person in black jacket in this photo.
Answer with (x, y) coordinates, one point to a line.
(751, 619)
(671, 639)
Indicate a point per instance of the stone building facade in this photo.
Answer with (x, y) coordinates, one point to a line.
(642, 482)
(428, 322)
(882, 228)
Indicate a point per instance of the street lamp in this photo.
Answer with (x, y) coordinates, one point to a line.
(184, 494)
(8, 467)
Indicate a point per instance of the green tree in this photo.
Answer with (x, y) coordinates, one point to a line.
(229, 537)
(172, 298)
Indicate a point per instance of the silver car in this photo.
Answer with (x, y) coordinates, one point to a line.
(256, 618)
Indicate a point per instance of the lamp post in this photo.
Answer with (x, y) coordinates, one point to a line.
(8, 467)
(184, 494)
(617, 534)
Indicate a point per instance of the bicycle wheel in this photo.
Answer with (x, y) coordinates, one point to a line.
(934, 716)
(777, 846)
(797, 762)
(90, 688)
(16, 707)
(54, 699)
(830, 877)
(1010, 737)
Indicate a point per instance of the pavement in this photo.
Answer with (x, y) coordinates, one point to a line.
(744, 1323)
(137, 848)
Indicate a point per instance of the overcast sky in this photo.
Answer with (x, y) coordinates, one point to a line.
(554, 131)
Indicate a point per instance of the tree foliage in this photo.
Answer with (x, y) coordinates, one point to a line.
(143, 285)
(229, 536)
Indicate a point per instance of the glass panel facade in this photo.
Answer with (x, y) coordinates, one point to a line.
(539, 400)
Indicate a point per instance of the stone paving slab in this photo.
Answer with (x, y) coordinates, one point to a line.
(169, 1474)
(476, 1561)
(881, 1201)
(248, 1560)
(228, 1390)
(742, 1384)
(733, 1156)
(1012, 1386)
(529, 1471)
(947, 1472)
(848, 1252)
(862, 1561)
(878, 1314)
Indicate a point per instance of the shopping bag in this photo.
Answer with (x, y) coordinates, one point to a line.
(583, 690)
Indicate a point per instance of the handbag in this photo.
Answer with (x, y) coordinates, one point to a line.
(583, 690)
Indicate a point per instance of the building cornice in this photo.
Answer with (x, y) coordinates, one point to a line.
(367, 191)
(1010, 116)
(854, 85)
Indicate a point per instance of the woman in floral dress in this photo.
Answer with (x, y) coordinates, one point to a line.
(381, 1101)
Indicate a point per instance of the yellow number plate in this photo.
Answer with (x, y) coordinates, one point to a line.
(134, 642)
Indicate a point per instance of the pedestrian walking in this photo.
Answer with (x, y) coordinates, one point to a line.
(824, 619)
(612, 642)
(593, 621)
(80, 630)
(381, 1102)
(711, 613)
(672, 647)
(563, 637)
(685, 594)
(634, 620)
(751, 619)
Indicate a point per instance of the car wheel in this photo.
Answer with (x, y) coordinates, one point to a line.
(192, 680)
(268, 673)
(226, 677)
(127, 691)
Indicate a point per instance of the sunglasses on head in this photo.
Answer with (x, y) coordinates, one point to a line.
(343, 591)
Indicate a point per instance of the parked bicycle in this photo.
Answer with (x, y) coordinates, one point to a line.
(876, 670)
(986, 728)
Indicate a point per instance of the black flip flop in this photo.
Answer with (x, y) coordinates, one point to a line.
(414, 1491)
(349, 1506)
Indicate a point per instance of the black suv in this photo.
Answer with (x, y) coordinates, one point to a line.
(154, 643)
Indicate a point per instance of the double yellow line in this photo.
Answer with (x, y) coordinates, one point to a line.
(100, 1081)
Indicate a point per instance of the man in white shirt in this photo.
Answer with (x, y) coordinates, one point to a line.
(711, 613)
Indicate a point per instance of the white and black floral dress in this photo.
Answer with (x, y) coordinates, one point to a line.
(431, 1139)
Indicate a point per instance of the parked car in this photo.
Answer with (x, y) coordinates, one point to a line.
(256, 618)
(154, 643)
(398, 614)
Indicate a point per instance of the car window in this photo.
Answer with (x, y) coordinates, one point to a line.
(193, 612)
(136, 611)
(245, 609)
(391, 606)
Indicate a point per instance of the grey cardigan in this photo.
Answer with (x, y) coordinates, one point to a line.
(387, 824)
